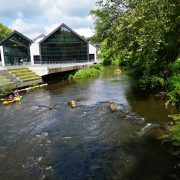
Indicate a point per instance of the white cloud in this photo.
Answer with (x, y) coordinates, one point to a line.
(28, 29)
(49, 29)
(74, 7)
(87, 32)
(33, 30)
(12, 8)
(33, 18)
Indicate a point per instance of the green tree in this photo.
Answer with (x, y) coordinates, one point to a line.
(142, 34)
(4, 31)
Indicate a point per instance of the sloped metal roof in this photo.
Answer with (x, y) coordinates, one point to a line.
(10, 35)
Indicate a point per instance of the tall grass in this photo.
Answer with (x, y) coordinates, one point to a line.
(173, 83)
(174, 131)
(93, 70)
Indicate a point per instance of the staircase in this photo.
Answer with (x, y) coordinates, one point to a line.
(24, 74)
(4, 81)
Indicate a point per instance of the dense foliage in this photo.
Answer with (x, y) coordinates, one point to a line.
(139, 34)
(174, 131)
(4, 31)
(173, 83)
(4, 91)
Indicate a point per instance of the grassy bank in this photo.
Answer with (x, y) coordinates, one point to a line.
(173, 83)
(5, 91)
(174, 131)
(93, 70)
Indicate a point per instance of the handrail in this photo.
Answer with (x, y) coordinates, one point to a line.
(63, 62)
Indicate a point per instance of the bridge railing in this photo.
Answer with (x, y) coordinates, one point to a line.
(62, 62)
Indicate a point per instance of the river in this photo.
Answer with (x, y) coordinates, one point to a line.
(41, 137)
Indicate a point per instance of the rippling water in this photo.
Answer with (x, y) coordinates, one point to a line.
(89, 142)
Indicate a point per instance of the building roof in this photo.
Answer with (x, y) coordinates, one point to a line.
(15, 32)
(63, 25)
(41, 36)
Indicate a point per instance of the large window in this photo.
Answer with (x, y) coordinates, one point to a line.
(16, 50)
(63, 45)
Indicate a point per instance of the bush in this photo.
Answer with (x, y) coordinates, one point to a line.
(93, 70)
(34, 84)
(96, 66)
(174, 132)
(173, 85)
(6, 91)
(175, 67)
(151, 81)
(157, 81)
(106, 62)
(86, 73)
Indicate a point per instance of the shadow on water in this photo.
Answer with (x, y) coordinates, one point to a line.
(43, 138)
(147, 104)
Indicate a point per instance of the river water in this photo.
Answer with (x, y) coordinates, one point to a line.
(41, 137)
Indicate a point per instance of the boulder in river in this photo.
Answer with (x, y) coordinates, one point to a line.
(113, 106)
(72, 104)
(52, 107)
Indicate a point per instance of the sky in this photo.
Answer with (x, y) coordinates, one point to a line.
(34, 17)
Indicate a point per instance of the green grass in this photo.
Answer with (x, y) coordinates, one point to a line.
(174, 88)
(24, 74)
(174, 131)
(86, 73)
(31, 79)
(173, 83)
(93, 70)
(5, 81)
(6, 90)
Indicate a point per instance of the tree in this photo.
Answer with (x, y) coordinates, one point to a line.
(4, 31)
(143, 34)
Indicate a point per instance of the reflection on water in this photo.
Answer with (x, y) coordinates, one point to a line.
(148, 105)
(88, 142)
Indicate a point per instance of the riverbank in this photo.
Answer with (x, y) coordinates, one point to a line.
(6, 91)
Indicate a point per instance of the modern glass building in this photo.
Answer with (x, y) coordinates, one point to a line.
(63, 44)
(15, 49)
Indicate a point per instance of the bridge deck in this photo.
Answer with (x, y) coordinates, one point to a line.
(45, 69)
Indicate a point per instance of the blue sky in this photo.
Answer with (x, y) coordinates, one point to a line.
(33, 17)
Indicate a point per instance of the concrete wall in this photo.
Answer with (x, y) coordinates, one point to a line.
(34, 49)
(92, 50)
(2, 55)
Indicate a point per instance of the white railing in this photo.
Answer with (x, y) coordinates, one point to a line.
(62, 62)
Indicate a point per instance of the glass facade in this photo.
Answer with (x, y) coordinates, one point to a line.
(63, 45)
(16, 50)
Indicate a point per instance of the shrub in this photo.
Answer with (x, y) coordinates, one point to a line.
(151, 81)
(6, 91)
(174, 132)
(173, 85)
(93, 70)
(96, 66)
(34, 84)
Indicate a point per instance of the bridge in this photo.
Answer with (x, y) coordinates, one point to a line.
(45, 69)
(22, 76)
